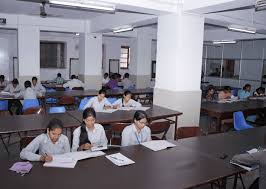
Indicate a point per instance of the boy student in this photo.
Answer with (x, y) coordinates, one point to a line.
(59, 80)
(105, 79)
(37, 87)
(74, 82)
(127, 84)
(3, 82)
(126, 101)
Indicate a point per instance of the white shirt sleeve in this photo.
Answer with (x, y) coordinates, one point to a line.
(66, 85)
(106, 102)
(29, 153)
(125, 137)
(66, 144)
(42, 89)
(75, 142)
(118, 102)
(7, 89)
(134, 103)
(103, 138)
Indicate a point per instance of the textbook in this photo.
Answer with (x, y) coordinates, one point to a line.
(244, 166)
(157, 145)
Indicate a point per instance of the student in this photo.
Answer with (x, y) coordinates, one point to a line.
(245, 92)
(99, 103)
(259, 91)
(127, 84)
(210, 93)
(113, 83)
(89, 134)
(74, 82)
(258, 158)
(29, 93)
(13, 87)
(59, 80)
(47, 144)
(3, 82)
(37, 87)
(105, 79)
(137, 132)
(126, 101)
(225, 93)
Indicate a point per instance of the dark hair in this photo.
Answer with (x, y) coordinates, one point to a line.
(59, 75)
(54, 124)
(127, 92)
(246, 86)
(34, 78)
(27, 84)
(2, 77)
(260, 90)
(83, 137)
(227, 88)
(15, 81)
(210, 87)
(126, 75)
(102, 91)
(106, 74)
(73, 77)
(139, 114)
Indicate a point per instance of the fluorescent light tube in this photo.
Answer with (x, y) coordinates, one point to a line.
(84, 4)
(224, 42)
(123, 29)
(243, 29)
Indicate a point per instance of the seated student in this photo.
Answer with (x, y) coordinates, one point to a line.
(13, 87)
(3, 82)
(210, 93)
(127, 84)
(113, 83)
(28, 93)
(89, 134)
(37, 87)
(74, 82)
(137, 132)
(225, 93)
(99, 102)
(47, 144)
(126, 101)
(259, 91)
(258, 158)
(245, 92)
(105, 79)
(59, 80)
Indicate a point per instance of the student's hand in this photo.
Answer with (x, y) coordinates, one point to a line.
(116, 106)
(86, 146)
(46, 158)
(107, 107)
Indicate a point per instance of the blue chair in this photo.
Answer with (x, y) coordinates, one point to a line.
(83, 102)
(51, 100)
(112, 100)
(3, 105)
(57, 109)
(30, 103)
(240, 122)
(235, 92)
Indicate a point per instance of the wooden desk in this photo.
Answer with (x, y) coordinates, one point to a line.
(176, 168)
(222, 111)
(154, 113)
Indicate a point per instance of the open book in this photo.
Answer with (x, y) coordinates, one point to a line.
(244, 166)
(119, 159)
(157, 145)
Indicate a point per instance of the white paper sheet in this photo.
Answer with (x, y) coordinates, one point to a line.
(61, 162)
(134, 108)
(157, 145)
(98, 148)
(107, 111)
(119, 159)
(83, 155)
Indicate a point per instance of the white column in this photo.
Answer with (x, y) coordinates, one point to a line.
(28, 52)
(141, 66)
(90, 56)
(178, 68)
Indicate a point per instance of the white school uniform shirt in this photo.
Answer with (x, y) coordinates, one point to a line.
(105, 80)
(4, 83)
(74, 83)
(38, 88)
(29, 93)
(96, 136)
(12, 90)
(130, 103)
(127, 83)
(96, 105)
(130, 136)
(44, 144)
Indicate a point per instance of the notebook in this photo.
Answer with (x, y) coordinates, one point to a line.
(157, 145)
(119, 159)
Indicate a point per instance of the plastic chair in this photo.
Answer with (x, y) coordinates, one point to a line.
(112, 100)
(83, 102)
(24, 141)
(57, 109)
(33, 111)
(116, 130)
(30, 103)
(3, 105)
(240, 122)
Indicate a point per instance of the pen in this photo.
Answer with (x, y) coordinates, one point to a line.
(116, 158)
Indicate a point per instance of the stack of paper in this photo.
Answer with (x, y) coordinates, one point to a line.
(119, 159)
(134, 108)
(98, 148)
(157, 145)
(246, 167)
(83, 154)
(126, 108)
(62, 162)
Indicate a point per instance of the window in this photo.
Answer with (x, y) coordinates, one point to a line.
(52, 54)
(124, 57)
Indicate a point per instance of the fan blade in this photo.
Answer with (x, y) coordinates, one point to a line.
(234, 9)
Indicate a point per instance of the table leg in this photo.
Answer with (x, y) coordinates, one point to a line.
(219, 125)
(5, 146)
(175, 126)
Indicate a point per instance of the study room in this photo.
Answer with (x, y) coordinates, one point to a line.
(142, 94)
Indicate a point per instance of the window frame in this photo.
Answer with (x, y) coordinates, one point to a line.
(128, 57)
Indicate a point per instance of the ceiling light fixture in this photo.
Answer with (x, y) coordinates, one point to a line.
(243, 29)
(223, 41)
(123, 29)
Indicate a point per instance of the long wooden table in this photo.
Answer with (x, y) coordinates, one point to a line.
(175, 168)
(222, 111)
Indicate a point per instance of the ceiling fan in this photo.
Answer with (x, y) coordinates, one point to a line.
(259, 5)
(43, 13)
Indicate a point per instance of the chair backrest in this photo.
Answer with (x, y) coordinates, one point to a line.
(33, 111)
(187, 132)
(30, 103)
(111, 100)
(159, 127)
(83, 102)
(66, 100)
(3, 105)
(57, 109)
(24, 141)
(240, 121)
(60, 89)
(116, 130)
(78, 88)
